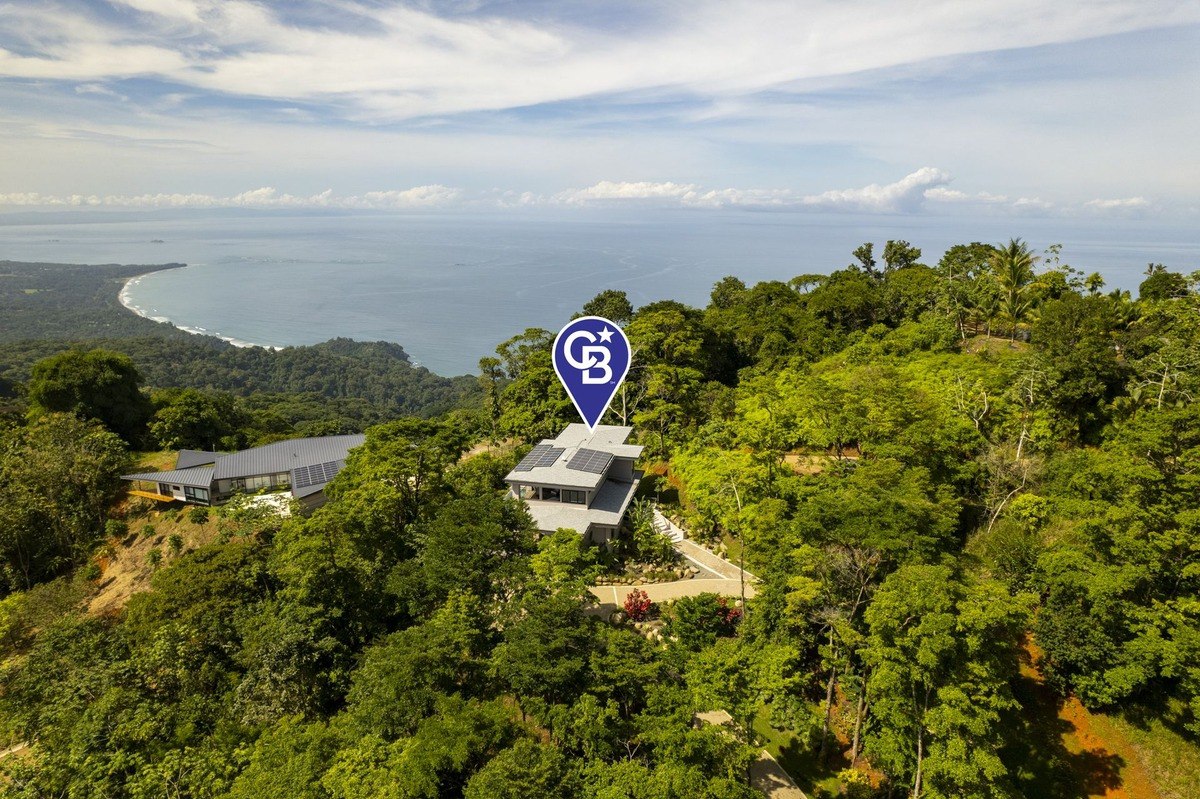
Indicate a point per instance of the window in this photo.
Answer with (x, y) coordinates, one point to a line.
(198, 494)
(551, 494)
(574, 497)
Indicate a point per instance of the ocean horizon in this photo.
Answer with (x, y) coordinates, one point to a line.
(449, 287)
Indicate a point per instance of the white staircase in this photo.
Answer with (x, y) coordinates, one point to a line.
(664, 525)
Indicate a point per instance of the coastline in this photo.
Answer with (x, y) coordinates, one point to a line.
(125, 297)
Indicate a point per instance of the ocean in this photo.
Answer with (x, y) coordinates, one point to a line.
(449, 287)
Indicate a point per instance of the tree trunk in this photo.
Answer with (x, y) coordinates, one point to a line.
(858, 720)
(828, 713)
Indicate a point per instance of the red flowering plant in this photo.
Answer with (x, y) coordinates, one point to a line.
(638, 605)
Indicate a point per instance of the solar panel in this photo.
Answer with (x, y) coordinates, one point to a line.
(540, 455)
(317, 474)
(590, 460)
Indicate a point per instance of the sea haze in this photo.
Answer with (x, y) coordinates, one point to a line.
(450, 287)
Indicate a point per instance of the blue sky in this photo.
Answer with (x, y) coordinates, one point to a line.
(942, 106)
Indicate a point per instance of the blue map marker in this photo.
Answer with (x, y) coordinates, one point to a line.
(591, 357)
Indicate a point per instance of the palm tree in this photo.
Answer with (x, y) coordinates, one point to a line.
(1013, 267)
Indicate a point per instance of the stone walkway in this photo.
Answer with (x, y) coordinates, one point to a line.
(717, 575)
(766, 775)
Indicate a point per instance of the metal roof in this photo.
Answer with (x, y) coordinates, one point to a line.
(284, 456)
(188, 458)
(196, 476)
(310, 463)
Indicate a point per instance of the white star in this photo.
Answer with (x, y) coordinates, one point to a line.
(606, 334)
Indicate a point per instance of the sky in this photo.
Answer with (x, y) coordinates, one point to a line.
(1021, 107)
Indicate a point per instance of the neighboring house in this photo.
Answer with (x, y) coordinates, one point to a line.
(300, 465)
(580, 480)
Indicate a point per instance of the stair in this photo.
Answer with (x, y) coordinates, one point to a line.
(664, 526)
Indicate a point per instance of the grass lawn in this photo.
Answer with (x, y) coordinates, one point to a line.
(1171, 760)
(815, 779)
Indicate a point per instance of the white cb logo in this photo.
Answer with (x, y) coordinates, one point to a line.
(591, 357)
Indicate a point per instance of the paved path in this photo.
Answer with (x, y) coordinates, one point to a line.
(717, 575)
(664, 592)
(766, 775)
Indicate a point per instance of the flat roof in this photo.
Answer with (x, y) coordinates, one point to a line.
(574, 437)
(607, 509)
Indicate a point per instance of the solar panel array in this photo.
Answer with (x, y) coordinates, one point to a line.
(318, 474)
(590, 460)
(540, 455)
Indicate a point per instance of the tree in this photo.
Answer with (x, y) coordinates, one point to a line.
(545, 653)
(190, 419)
(941, 657)
(611, 304)
(58, 477)
(899, 254)
(92, 384)
(1013, 268)
(865, 255)
(526, 770)
(402, 678)
(1162, 284)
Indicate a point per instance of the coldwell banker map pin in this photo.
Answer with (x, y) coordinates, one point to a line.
(591, 357)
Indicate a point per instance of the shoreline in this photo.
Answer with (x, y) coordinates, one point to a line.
(126, 299)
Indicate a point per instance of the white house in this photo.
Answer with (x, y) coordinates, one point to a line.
(580, 480)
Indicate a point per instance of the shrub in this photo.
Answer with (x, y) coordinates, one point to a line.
(147, 530)
(198, 515)
(92, 571)
(638, 605)
(154, 557)
(175, 542)
(115, 528)
(698, 620)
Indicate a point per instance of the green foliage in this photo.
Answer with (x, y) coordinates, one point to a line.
(525, 770)
(697, 621)
(610, 304)
(58, 477)
(92, 384)
(906, 490)
(545, 653)
(941, 659)
(197, 515)
(190, 419)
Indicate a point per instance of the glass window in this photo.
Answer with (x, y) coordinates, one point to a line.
(574, 497)
(551, 494)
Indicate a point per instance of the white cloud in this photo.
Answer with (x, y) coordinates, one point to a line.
(905, 194)
(264, 197)
(943, 194)
(622, 190)
(401, 62)
(1126, 204)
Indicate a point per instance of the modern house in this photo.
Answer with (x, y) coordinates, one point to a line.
(580, 480)
(302, 466)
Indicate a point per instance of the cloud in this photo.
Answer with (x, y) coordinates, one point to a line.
(1126, 204)
(434, 196)
(905, 194)
(372, 61)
